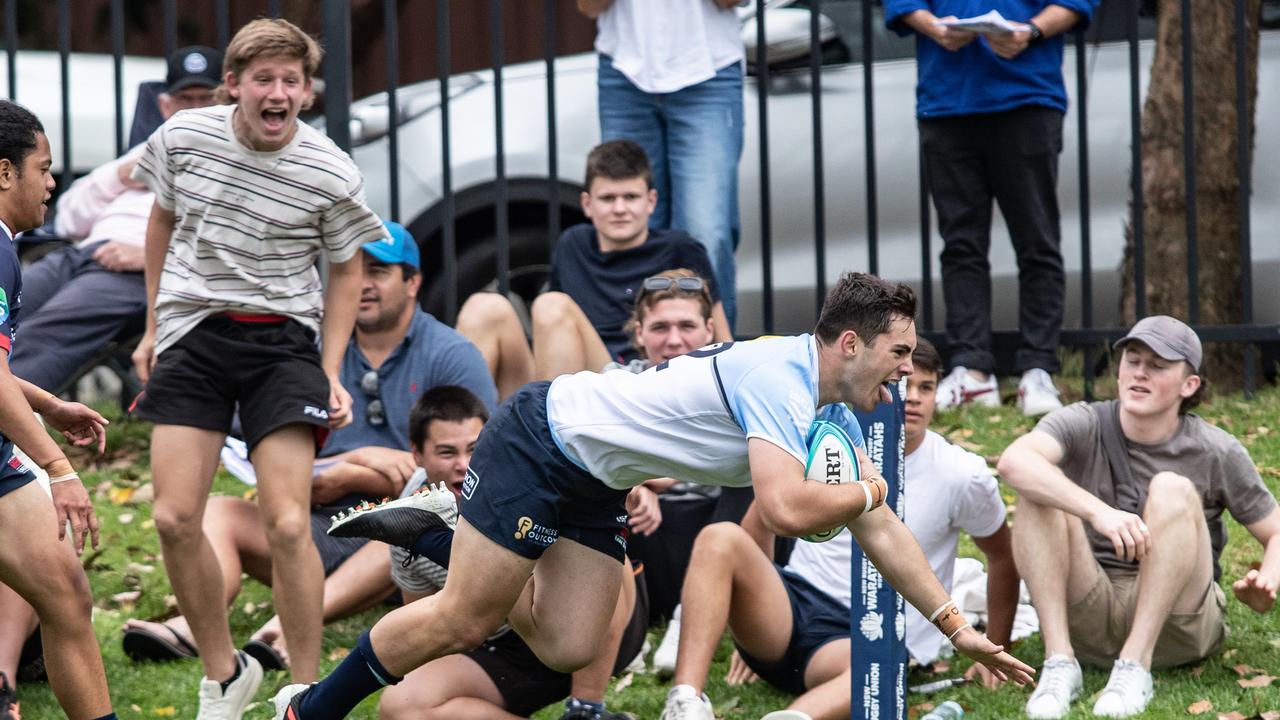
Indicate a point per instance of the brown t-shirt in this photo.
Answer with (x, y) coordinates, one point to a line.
(1214, 461)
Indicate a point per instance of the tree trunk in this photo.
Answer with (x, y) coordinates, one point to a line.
(1216, 171)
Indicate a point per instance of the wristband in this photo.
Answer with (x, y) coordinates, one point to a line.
(1037, 35)
(875, 489)
(60, 467)
(64, 478)
(948, 619)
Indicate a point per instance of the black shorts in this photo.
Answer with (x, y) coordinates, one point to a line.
(816, 619)
(523, 493)
(271, 369)
(526, 684)
(13, 472)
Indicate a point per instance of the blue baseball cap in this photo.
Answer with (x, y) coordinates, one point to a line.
(397, 248)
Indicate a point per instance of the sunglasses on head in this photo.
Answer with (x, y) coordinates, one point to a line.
(374, 413)
(657, 283)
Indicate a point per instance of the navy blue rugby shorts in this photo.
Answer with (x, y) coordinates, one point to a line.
(523, 493)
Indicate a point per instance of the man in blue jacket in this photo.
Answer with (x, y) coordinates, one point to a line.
(990, 110)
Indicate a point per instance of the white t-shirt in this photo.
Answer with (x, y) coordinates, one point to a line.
(249, 225)
(949, 489)
(666, 45)
(689, 418)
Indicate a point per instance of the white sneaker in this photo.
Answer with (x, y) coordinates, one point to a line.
(685, 703)
(1058, 686)
(664, 658)
(1127, 692)
(787, 715)
(1037, 394)
(960, 388)
(637, 663)
(217, 704)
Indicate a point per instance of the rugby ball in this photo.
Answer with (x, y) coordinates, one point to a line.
(831, 460)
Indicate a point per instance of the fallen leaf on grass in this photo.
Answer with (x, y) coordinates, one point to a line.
(148, 524)
(1257, 681)
(137, 567)
(144, 494)
(1243, 669)
(120, 495)
(166, 711)
(339, 653)
(1197, 671)
(1230, 653)
(125, 518)
(128, 596)
(624, 683)
(940, 666)
(1233, 715)
(1199, 707)
(1270, 715)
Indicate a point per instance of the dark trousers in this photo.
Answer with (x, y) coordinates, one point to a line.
(1011, 157)
(71, 308)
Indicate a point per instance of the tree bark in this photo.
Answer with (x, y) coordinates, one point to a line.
(1217, 171)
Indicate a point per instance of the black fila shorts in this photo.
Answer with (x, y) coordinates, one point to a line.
(271, 369)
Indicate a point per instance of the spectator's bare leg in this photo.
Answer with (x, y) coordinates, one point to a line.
(183, 460)
(48, 574)
(828, 679)
(564, 340)
(359, 583)
(590, 682)
(283, 462)
(451, 688)
(1178, 567)
(234, 530)
(17, 620)
(729, 581)
(490, 323)
(1053, 557)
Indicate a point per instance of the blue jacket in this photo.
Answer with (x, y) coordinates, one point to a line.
(974, 79)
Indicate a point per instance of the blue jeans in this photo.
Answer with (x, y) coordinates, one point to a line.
(693, 138)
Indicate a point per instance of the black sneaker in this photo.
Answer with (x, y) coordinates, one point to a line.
(402, 521)
(575, 711)
(8, 700)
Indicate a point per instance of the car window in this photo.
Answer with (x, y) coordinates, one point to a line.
(885, 44)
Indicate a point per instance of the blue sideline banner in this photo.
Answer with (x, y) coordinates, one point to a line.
(877, 623)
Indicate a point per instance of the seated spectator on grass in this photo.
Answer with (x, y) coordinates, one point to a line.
(502, 678)
(1120, 528)
(78, 298)
(790, 625)
(595, 276)
(396, 354)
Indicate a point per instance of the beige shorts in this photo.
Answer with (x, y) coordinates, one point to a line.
(1100, 622)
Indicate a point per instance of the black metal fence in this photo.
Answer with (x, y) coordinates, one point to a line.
(457, 225)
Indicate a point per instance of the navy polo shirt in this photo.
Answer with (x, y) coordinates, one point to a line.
(605, 284)
(974, 79)
(432, 354)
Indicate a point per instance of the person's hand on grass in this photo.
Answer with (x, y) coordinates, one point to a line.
(739, 672)
(1256, 591)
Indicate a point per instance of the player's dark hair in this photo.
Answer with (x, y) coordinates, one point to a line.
(618, 160)
(449, 403)
(864, 304)
(18, 130)
(925, 357)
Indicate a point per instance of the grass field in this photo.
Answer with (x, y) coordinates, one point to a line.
(129, 561)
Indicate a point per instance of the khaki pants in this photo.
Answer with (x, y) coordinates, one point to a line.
(1101, 620)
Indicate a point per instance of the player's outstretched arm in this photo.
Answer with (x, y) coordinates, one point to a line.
(898, 557)
(18, 423)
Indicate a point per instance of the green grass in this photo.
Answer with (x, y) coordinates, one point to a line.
(129, 561)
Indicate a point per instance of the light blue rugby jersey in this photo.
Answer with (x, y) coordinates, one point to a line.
(690, 417)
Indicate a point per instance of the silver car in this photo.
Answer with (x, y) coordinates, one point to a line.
(790, 159)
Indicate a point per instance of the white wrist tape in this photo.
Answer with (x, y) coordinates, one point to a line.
(64, 478)
(866, 490)
(948, 619)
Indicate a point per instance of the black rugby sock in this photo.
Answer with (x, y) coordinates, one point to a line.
(359, 675)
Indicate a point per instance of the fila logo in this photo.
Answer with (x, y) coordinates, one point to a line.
(315, 412)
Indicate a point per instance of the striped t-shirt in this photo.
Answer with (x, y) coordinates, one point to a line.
(249, 225)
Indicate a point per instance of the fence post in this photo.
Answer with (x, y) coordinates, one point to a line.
(336, 72)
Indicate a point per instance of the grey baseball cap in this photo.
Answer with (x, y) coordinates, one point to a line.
(1168, 337)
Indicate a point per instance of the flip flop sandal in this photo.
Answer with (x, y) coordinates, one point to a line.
(266, 655)
(143, 645)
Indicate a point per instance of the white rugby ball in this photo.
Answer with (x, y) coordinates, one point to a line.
(831, 460)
